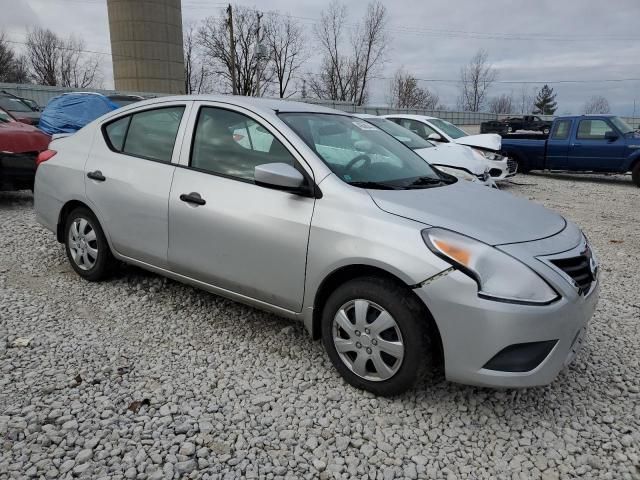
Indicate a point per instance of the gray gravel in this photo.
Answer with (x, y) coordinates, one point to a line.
(141, 377)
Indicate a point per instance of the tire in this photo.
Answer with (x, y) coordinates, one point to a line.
(522, 167)
(361, 343)
(86, 246)
(635, 174)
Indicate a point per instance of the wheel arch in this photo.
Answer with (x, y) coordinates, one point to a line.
(350, 272)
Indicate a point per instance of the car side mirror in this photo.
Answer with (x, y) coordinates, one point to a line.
(280, 176)
(435, 137)
(610, 135)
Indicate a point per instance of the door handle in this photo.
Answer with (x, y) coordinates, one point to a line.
(576, 145)
(193, 197)
(97, 176)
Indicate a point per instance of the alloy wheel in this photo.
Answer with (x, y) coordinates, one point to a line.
(368, 340)
(83, 244)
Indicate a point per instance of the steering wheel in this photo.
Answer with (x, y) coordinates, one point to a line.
(363, 157)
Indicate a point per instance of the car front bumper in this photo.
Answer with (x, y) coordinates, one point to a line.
(474, 330)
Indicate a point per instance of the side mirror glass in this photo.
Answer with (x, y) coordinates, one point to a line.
(610, 135)
(281, 176)
(435, 137)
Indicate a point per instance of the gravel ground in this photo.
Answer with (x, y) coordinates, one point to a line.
(141, 377)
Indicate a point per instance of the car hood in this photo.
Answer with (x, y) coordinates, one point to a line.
(17, 137)
(453, 155)
(485, 141)
(489, 215)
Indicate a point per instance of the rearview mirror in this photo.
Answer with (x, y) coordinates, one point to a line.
(610, 135)
(435, 137)
(281, 176)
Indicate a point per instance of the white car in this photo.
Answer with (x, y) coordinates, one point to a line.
(457, 160)
(438, 130)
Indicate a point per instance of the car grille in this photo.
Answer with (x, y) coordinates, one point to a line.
(512, 165)
(579, 269)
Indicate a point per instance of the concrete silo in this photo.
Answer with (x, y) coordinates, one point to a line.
(146, 45)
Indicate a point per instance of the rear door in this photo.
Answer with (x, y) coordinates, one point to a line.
(558, 146)
(129, 175)
(224, 229)
(591, 150)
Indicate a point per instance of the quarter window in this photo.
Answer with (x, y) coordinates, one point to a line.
(561, 130)
(231, 144)
(150, 134)
(593, 129)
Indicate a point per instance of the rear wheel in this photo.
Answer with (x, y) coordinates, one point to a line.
(86, 245)
(635, 174)
(375, 333)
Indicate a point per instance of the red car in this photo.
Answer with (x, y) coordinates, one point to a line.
(20, 145)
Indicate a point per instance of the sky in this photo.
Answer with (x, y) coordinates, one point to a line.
(554, 41)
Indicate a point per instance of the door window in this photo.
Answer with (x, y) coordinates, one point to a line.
(593, 129)
(561, 130)
(150, 134)
(231, 144)
(417, 127)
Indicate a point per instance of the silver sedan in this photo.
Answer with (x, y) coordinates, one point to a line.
(319, 216)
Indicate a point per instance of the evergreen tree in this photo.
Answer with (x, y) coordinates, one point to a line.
(545, 102)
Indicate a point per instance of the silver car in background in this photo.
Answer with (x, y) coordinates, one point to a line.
(316, 215)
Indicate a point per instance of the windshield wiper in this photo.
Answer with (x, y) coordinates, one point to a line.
(426, 181)
(374, 185)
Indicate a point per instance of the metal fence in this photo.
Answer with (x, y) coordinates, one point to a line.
(42, 94)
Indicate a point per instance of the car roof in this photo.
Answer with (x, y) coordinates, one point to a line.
(273, 104)
(411, 116)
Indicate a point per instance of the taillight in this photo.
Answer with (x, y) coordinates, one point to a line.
(44, 156)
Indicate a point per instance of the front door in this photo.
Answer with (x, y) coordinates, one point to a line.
(592, 150)
(128, 178)
(223, 228)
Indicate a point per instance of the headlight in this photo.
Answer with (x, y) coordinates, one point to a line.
(499, 276)
(490, 155)
(458, 172)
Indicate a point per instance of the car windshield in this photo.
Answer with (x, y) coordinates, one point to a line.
(14, 105)
(449, 128)
(621, 125)
(410, 139)
(360, 153)
(5, 117)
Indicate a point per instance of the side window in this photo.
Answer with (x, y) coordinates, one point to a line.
(561, 130)
(231, 144)
(593, 129)
(116, 132)
(418, 128)
(152, 133)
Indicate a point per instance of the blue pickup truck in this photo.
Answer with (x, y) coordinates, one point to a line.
(585, 143)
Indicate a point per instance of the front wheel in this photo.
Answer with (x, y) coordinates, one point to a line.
(86, 245)
(376, 335)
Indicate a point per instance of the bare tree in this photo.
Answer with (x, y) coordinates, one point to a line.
(525, 100)
(77, 69)
(343, 76)
(405, 93)
(43, 54)
(597, 104)
(476, 78)
(196, 73)
(334, 80)
(53, 60)
(370, 44)
(213, 37)
(285, 41)
(7, 59)
(501, 104)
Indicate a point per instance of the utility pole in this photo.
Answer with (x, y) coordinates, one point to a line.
(232, 47)
(259, 54)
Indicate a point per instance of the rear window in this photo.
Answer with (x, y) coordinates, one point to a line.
(561, 130)
(150, 134)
